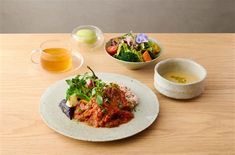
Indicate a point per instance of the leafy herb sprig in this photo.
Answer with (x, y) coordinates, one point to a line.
(86, 87)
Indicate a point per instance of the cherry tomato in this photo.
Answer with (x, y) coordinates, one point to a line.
(112, 50)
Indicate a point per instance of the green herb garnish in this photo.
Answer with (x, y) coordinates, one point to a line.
(99, 99)
(104, 111)
(79, 86)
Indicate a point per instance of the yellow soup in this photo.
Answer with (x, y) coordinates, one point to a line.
(180, 77)
(56, 59)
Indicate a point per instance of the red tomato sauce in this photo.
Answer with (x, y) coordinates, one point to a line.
(114, 111)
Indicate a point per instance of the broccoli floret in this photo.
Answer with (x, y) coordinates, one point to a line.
(138, 54)
(128, 56)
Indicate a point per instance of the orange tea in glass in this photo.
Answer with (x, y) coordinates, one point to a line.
(54, 56)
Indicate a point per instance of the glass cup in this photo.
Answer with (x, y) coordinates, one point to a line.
(87, 38)
(53, 56)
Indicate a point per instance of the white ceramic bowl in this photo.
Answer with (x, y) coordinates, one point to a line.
(175, 90)
(137, 65)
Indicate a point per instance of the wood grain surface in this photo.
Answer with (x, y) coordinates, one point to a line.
(204, 125)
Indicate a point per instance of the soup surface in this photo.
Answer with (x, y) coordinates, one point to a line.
(180, 77)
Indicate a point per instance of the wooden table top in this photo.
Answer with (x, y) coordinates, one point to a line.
(204, 125)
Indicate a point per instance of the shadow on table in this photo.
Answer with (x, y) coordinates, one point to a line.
(184, 101)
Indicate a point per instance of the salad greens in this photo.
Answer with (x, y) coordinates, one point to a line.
(133, 48)
(86, 87)
(126, 54)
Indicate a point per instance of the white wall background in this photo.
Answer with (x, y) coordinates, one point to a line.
(40, 16)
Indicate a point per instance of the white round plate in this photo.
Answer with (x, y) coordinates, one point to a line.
(145, 114)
